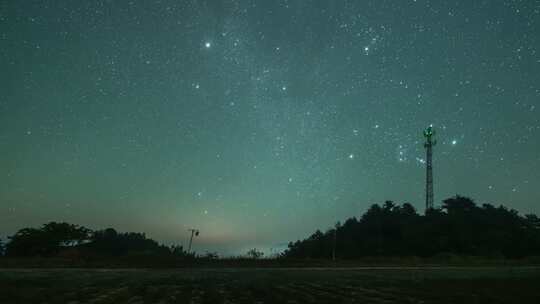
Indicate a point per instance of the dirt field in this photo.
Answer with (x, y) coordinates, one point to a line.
(311, 285)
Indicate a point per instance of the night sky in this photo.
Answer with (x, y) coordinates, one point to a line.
(259, 122)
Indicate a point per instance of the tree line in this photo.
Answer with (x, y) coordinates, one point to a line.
(77, 242)
(459, 227)
(68, 240)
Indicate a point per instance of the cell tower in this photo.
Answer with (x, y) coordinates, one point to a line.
(429, 133)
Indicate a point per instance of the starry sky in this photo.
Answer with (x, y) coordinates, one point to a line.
(258, 122)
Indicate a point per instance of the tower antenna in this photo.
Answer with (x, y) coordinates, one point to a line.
(429, 134)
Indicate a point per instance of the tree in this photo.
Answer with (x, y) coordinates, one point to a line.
(458, 204)
(110, 242)
(210, 255)
(30, 242)
(66, 234)
(388, 206)
(408, 210)
(1, 248)
(47, 240)
(255, 254)
(178, 251)
(533, 220)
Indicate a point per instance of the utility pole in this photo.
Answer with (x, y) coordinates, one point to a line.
(334, 246)
(429, 133)
(194, 232)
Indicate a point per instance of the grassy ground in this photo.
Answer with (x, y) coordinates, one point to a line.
(272, 285)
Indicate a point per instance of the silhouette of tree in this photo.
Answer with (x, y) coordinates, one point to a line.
(178, 251)
(458, 204)
(255, 254)
(110, 242)
(533, 221)
(28, 242)
(66, 234)
(408, 210)
(458, 227)
(53, 237)
(210, 255)
(47, 240)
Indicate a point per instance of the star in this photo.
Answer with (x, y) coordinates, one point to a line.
(351, 156)
(207, 44)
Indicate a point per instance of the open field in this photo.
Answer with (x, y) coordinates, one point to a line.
(273, 285)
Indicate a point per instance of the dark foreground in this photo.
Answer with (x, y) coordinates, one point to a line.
(278, 285)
